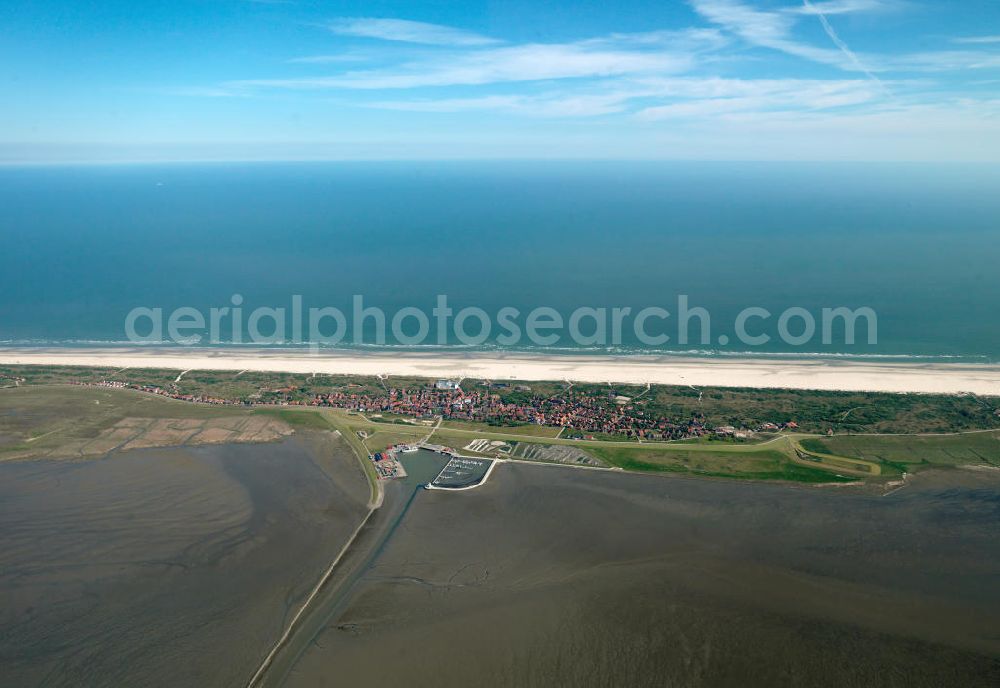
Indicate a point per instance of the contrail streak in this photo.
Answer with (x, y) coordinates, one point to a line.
(837, 41)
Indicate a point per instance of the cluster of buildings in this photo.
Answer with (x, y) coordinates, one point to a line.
(584, 414)
(387, 465)
(170, 394)
(606, 414)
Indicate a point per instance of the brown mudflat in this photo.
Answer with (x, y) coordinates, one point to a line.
(166, 567)
(552, 576)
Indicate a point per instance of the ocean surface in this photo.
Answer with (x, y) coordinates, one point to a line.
(918, 244)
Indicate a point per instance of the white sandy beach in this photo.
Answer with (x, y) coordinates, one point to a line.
(821, 374)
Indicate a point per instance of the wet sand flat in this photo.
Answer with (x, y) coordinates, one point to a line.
(166, 567)
(549, 576)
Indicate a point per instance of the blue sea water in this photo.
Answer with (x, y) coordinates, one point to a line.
(80, 246)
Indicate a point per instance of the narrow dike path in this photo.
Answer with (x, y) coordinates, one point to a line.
(334, 589)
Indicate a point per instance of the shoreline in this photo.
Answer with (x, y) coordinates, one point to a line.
(812, 374)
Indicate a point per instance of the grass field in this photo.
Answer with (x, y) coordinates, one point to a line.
(47, 420)
(309, 420)
(774, 460)
(912, 452)
(39, 419)
(381, 440)
(814, 411)
(817, 411)
(459, 441)
(381, 435)
(67, 421)
(763, 464)
(526, 430)
(833, 462)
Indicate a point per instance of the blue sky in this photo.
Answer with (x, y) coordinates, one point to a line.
(696, 79)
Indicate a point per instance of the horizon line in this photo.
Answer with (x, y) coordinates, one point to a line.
(485, 159)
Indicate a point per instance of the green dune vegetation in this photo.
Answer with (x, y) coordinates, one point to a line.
(813, 411)
(876, 437)
(799, 457)
(908, 453)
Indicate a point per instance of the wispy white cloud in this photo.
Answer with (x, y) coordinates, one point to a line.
(943, 61)
(724, 96)
(763, 28)
(501, 103)
(656, 80)
(977, 40)
(774, 29)
(408, 31)
(551, 105)
(695, 40)
(687, 96)
(905, 120)
(831, 7)
(532, 62)
(327, 59)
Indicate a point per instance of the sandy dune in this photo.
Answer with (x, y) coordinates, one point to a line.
(823, 374)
